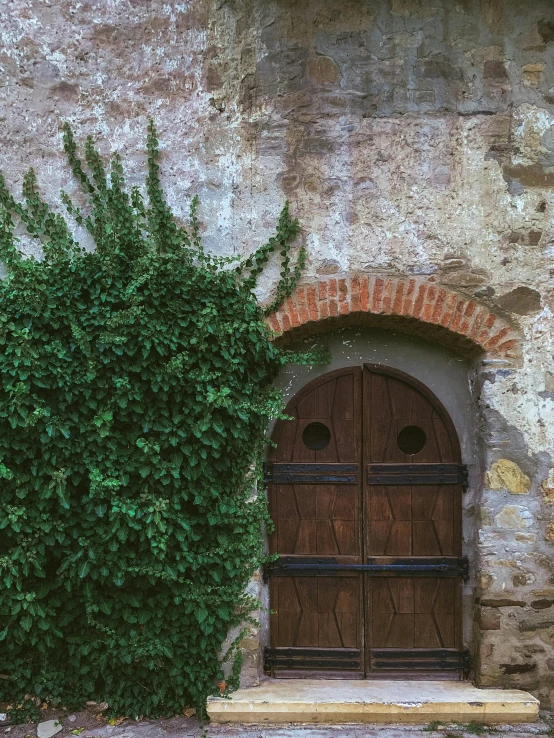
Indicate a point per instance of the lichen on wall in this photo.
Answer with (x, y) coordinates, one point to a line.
(412, 139)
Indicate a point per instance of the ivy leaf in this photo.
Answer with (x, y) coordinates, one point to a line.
(201, 615)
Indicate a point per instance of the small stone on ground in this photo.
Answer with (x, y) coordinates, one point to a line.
(48, 729)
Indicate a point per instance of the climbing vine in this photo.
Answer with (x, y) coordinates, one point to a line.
(135, 391)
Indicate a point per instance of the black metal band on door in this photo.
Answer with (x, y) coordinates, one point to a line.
(408, 474)
(383, 659)
(311, 473)
(443, 566)
(377, 474)
(422, 659)
(319, 658)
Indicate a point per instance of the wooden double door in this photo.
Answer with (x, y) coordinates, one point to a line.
(365, 490)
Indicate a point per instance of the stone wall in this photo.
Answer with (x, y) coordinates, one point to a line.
(414, 139)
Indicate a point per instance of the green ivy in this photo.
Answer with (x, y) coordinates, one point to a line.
(135, 391)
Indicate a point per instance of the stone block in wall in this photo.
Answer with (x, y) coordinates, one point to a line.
(510, 669)
(251, 667)
(532, 74)
(521, 300)
(534, 625)
(488, 619)
(507, 476)
(514, 517)
(541, 604)
(547, 487)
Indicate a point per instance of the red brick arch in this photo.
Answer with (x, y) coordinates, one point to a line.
(414, 305)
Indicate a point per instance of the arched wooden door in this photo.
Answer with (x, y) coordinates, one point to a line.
(365, 490)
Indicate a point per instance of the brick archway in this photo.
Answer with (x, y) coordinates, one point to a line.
(413, 305)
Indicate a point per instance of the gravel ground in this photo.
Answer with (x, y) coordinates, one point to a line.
(88, 725)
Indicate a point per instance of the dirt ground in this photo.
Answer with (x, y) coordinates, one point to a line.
(89, 724)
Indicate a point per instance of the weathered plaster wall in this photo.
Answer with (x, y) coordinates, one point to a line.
(412, 138)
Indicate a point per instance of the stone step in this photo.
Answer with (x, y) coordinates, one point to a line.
(334, 702)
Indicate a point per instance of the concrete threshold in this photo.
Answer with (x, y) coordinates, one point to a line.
(335, 702)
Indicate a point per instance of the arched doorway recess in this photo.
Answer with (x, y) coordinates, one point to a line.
(365, 489)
